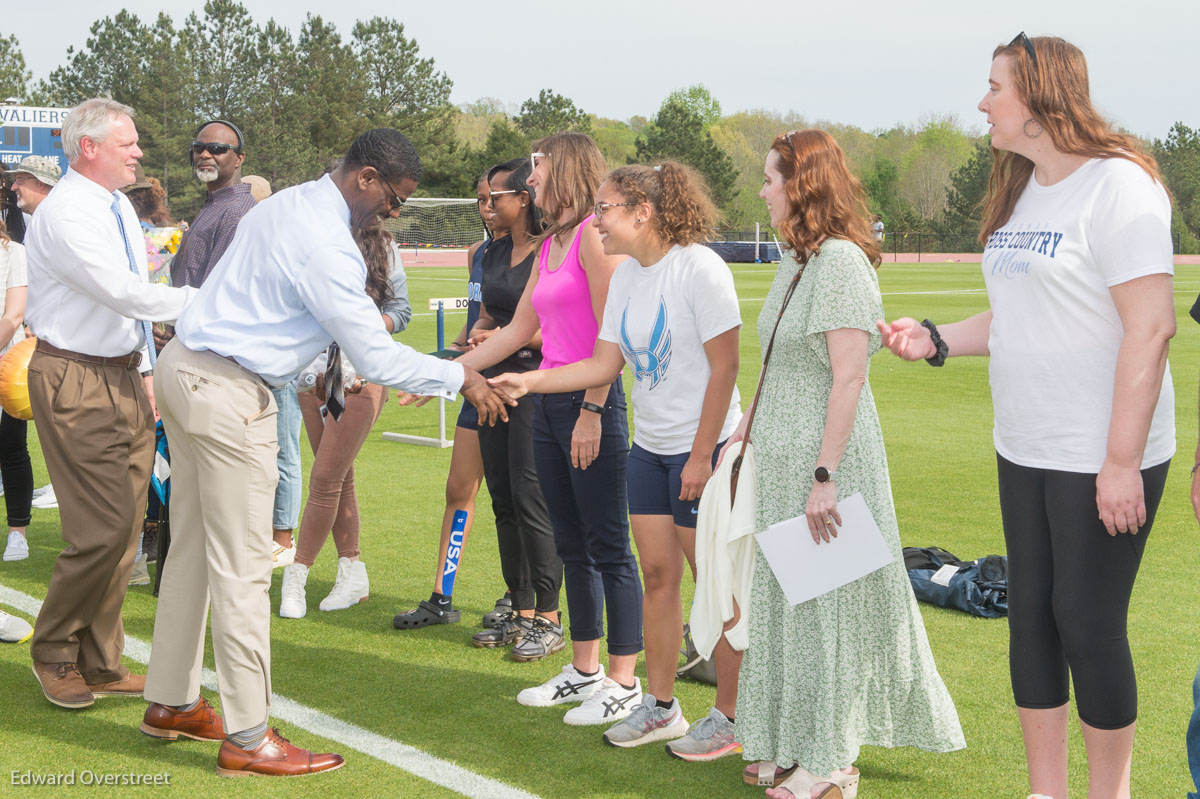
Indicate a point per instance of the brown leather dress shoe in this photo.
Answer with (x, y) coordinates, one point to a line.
(274, 757)
(129, 685)
(63, 684)
(201, 723)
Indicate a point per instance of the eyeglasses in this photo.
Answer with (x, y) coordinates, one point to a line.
(212, 147)
(533, 157)
(599, 209)
(396, 200)
(1023, 40)
(492, 195)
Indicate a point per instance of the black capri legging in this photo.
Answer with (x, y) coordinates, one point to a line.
(1068, 592)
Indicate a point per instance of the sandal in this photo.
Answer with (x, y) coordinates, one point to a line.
(425, 614)
(765, 774)
(840, 785)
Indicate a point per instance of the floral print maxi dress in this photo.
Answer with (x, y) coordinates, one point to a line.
(852, 667)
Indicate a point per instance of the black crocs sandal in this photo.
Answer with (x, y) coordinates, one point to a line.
(499, 614)
(425, 614)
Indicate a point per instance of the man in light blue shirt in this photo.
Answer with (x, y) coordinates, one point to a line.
(291, 281)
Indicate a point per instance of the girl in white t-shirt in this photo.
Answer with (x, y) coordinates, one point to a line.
(14, 452)
(1078, 268)
(672, 316)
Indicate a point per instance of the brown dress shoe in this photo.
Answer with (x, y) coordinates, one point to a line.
(63, 684)
(129, 685)
(274, 757)
(201, 723)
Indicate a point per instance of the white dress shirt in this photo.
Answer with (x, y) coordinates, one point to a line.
(83, 296)
(292, 280)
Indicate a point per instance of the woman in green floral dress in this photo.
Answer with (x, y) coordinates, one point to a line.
(853, 666)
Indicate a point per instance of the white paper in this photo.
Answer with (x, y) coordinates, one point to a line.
(806, 570)
(942, 576)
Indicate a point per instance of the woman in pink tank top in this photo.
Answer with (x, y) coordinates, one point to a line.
(581, 444)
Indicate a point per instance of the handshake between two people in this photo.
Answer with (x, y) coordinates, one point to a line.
(491, 404)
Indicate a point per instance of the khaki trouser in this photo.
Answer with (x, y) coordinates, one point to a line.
(220, 422)
(97, 435)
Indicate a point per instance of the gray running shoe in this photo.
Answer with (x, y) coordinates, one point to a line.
(511, 629)
(543, 639)
(710, 738)
(648, 723)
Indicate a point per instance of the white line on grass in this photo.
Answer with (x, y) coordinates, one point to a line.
(392, 752)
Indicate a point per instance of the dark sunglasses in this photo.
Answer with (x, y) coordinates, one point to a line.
(396, 200)
(1023, 40)
(213, 147)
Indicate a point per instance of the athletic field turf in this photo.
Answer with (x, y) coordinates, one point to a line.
(430, 692)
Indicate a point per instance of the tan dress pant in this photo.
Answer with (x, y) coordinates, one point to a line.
(97, 434)
(220, 422)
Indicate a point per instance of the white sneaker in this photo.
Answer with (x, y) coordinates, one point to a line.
(607, 704)
(140, 574)
(14, 630)
(44, 497)
(350, 587)
(294, 604)
(283, 556)
(568, 686)
(18, 546)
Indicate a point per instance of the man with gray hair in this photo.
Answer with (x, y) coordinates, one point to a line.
(32, 179)
(91, 305)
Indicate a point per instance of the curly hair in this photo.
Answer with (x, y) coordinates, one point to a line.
(825, 199)
(4, 239)
(683, 211)
(1055, 89)
(151, 204)
(375, 244)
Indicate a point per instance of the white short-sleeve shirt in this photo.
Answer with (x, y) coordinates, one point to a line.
(1055, 330)
(661, 316)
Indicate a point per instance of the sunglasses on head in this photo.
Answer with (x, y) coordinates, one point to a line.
(1023, 40)
(212, 147)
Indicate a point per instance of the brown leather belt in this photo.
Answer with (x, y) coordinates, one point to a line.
(131, 361)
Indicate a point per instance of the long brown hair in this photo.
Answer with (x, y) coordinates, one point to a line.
(683, 212)
(575, 170)
(826, 200)
(4, 239)
(1054, 86)
(375, 244)
(150, 203)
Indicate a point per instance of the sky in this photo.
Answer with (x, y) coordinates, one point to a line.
(873, 63)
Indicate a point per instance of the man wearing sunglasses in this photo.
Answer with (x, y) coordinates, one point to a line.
(292, 281)
(217, 155)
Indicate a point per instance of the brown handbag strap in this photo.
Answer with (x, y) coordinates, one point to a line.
(737, 463)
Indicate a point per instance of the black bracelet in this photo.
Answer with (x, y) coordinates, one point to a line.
(939, 358)
(1194, 468)
(593, 407)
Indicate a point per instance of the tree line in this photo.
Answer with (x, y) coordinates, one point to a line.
(300, 98)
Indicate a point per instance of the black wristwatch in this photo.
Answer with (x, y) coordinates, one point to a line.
(823, 475)
(593, 407)
(939, 357)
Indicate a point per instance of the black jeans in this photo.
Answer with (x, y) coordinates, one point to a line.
(1069, 584)
(15, 470)
(528, 558)
(589, 510)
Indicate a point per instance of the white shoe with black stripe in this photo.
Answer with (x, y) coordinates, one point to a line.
(568, 686)
(610, 703)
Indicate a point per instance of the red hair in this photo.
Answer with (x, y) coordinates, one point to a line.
(827, 201)
(1055, 89)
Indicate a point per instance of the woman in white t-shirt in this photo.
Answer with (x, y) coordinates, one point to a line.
(672, 315)
(1078, 268)
(15, 468)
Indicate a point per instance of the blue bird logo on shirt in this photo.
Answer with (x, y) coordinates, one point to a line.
(650, 362)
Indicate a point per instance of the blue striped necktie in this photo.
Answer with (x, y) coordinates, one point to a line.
(133, 267)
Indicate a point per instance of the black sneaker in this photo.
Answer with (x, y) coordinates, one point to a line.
(499, 613)
(543, 639)
(511, 629)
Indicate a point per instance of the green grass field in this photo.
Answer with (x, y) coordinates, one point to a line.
(431, 690)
